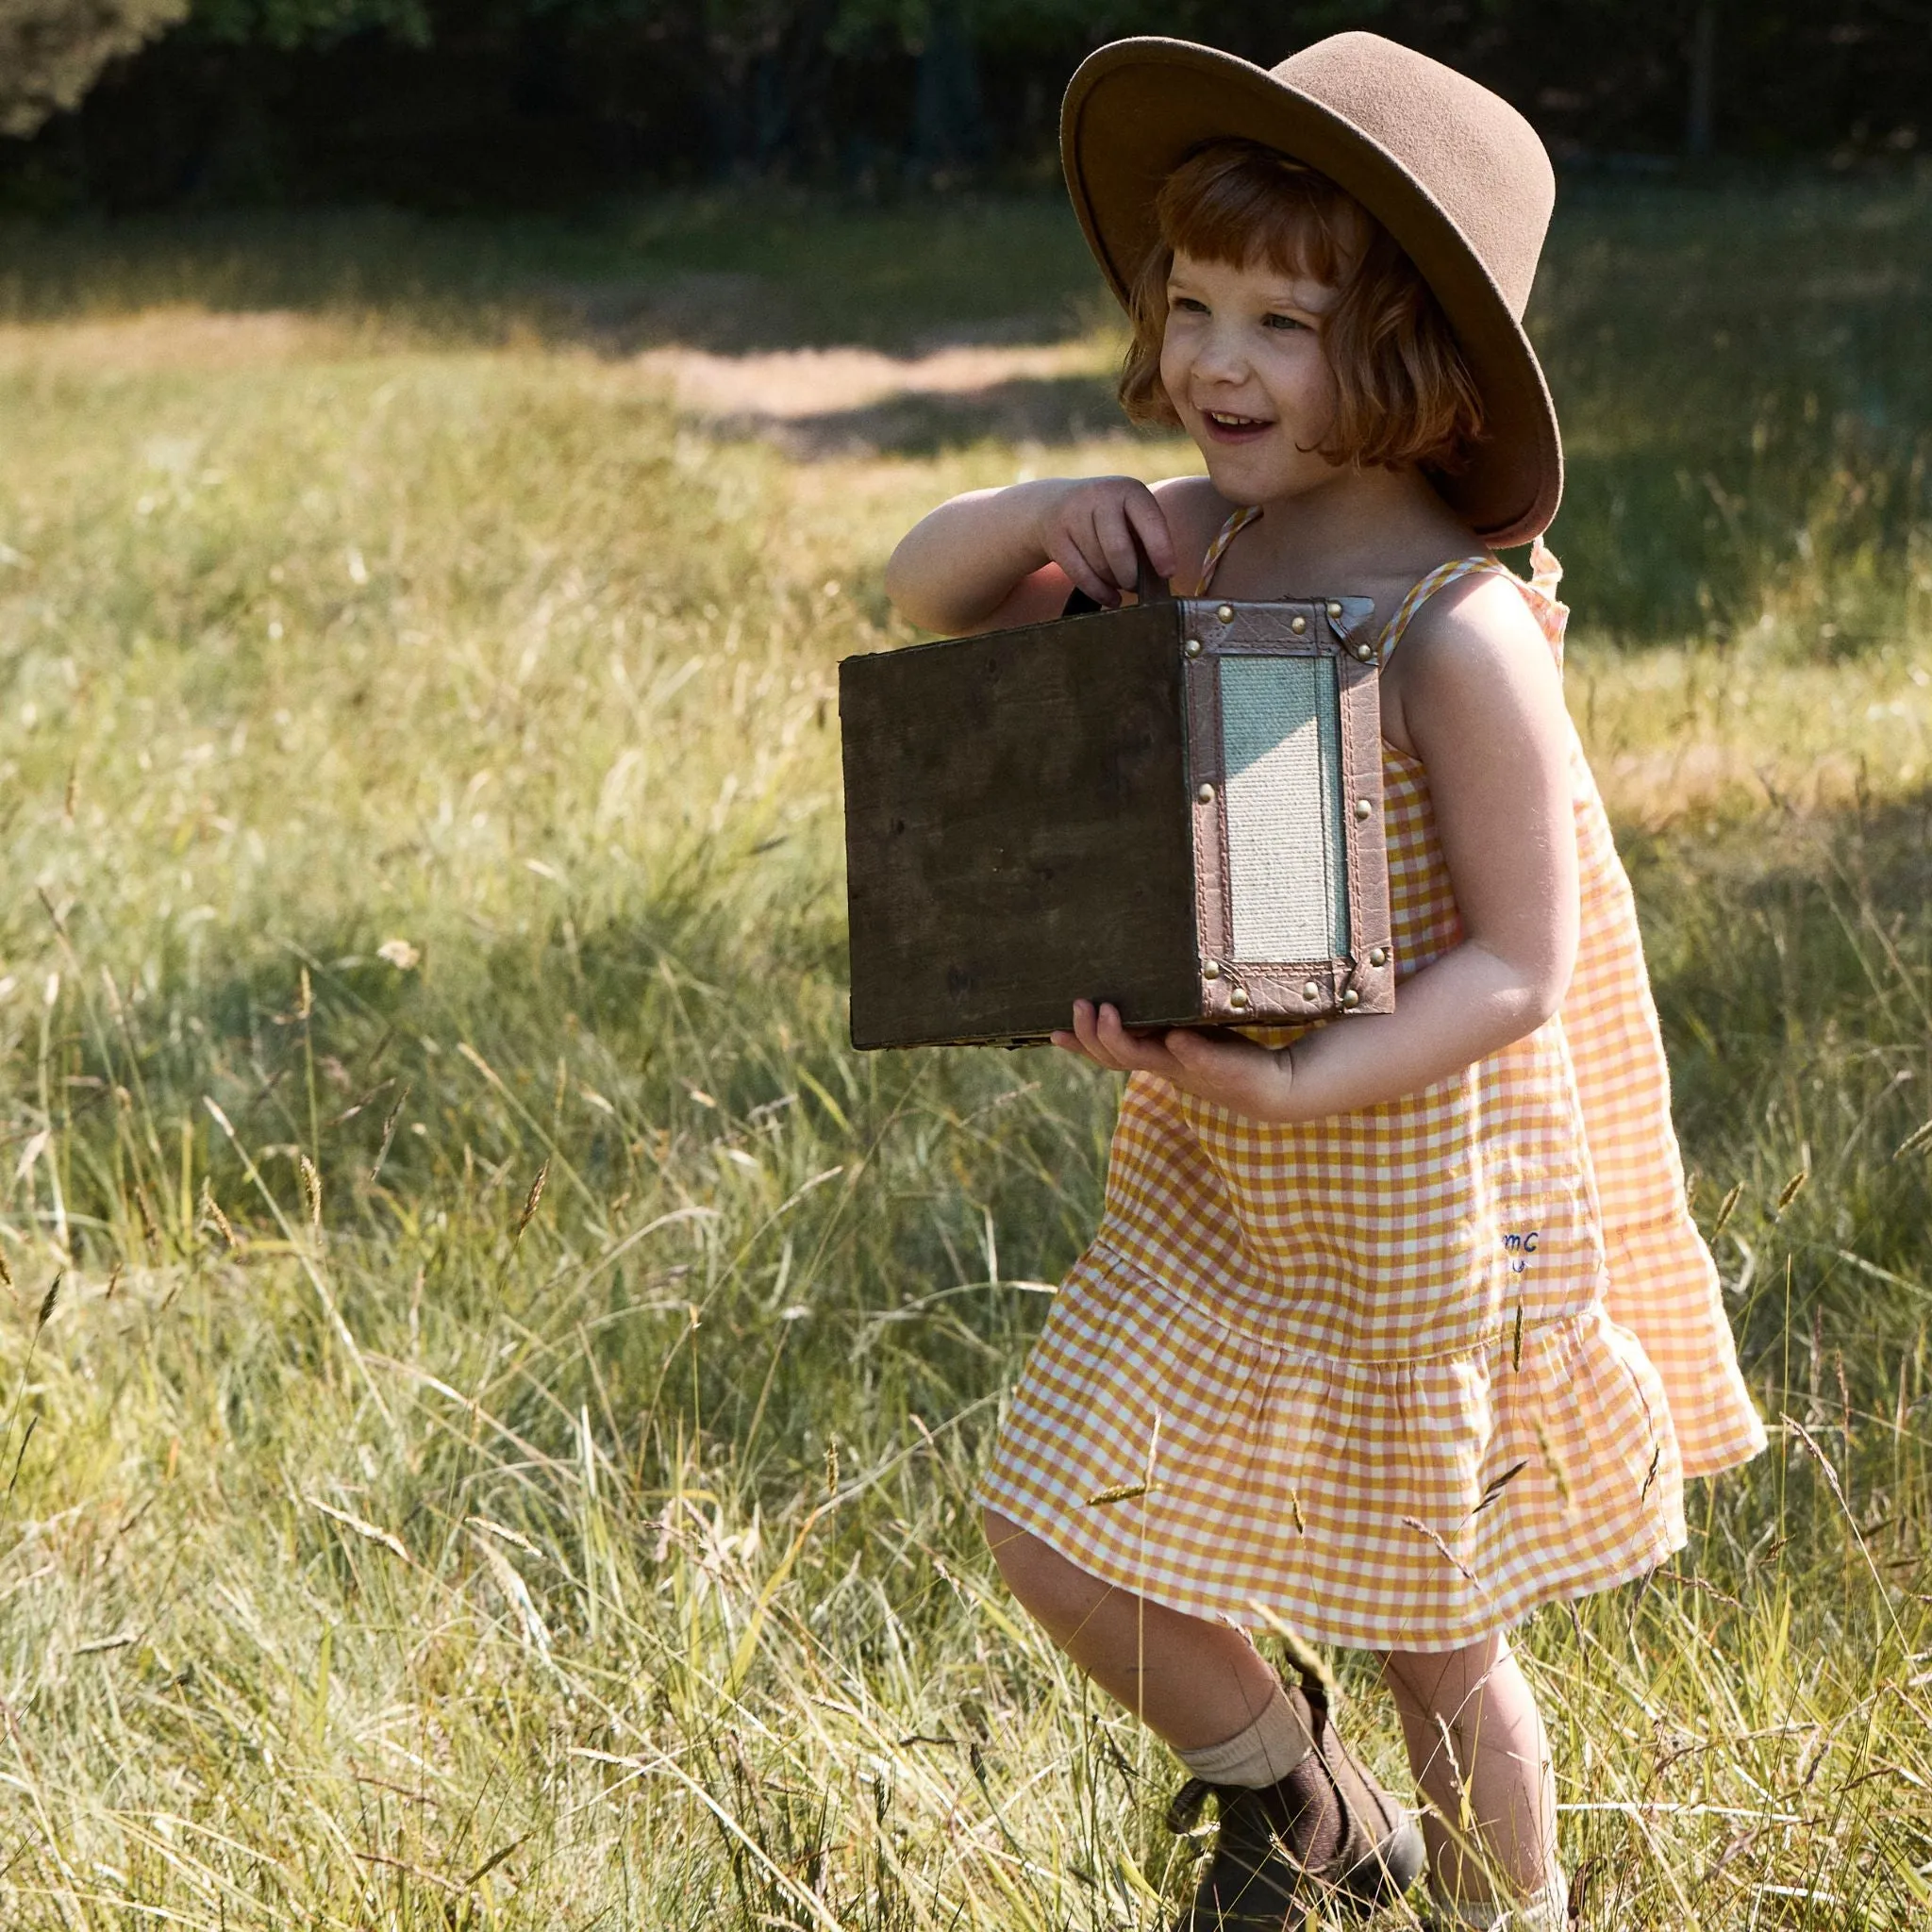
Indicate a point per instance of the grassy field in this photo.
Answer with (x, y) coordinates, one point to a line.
(493, 1382)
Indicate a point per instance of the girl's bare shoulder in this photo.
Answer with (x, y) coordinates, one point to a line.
(1475, 645)
(1195, 511)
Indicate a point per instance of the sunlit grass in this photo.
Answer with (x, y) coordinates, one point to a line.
(419, 769)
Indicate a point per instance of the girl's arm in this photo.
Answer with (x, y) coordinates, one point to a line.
(1483, 705)
(994, 557)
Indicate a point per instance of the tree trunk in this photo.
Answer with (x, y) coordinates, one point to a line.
(1699, 135)
(949, 120)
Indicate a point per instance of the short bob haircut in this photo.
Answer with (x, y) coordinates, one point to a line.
(1405, 396)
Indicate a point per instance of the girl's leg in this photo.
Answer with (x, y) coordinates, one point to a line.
(1192, 1682)
(1477, 1747)
(1298, 1815)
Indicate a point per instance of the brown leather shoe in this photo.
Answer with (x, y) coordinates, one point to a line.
(1326, 1834)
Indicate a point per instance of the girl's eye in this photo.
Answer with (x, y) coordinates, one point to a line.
(1285, 322)
(1188, 304)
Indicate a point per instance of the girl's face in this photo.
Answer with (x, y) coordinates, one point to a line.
(1242, 361)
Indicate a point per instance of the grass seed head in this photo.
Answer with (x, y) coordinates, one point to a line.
(1553, 1464)
(48, 1302)
(530, 1204)
(1727, 1208)
(389, 1133)
(211, 1211)
(1117, 1493)
(1443, 1549)
(1790, 1191)
(311, 1188)
(1496, 1485)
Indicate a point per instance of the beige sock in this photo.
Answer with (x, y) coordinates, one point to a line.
(1546, 1910)
(1269, 1748)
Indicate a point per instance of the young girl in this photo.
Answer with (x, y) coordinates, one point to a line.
(1397, 1327)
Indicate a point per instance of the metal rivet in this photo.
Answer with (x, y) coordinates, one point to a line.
(1311, 991)
(1362, 807)
(1206, 794)
(1225, 613)
(1350, 998)
(1297, 624)
(1238, 999)
(1364, 652)
(1378, 956)
(1192, 647)
(1210, 969)
(1335, 610)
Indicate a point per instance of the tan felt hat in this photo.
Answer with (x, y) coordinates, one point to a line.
(1454, 173)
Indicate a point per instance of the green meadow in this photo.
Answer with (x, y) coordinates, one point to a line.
(492, 1382)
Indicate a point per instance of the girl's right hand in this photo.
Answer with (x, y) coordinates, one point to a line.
(998, 558)
(1087, 526)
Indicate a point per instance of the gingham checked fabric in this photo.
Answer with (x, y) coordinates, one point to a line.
(1398, 1376)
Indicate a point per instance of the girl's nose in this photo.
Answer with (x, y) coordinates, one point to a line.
(1219, 357)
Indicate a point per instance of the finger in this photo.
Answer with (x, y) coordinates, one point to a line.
(1086, 1029)
(1083, 1033)
(1069, 1043)
(1150, 523)
(1115, 536)
(1139, 1053)
(1073, 560)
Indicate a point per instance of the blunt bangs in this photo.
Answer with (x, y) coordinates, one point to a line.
(1405, 396)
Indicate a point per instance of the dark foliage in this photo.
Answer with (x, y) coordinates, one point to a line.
(493, 102)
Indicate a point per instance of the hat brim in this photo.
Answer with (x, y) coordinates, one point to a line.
(1136, 109)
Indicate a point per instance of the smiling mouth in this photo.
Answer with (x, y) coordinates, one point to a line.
(1229, 423)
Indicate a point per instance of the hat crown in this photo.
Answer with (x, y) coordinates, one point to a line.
(1475, 155)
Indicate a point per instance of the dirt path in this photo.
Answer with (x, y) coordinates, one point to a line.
(845, 402)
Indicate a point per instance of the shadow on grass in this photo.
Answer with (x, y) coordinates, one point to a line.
(1792, 959)
(729, 274)
(1066, 409)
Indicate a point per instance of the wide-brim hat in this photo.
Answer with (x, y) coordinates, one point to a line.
(1453, 171)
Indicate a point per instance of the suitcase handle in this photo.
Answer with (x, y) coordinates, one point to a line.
(1150, 587)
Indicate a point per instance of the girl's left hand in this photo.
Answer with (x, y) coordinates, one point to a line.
(1220, 1068)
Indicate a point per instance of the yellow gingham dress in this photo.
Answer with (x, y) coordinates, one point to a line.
(1395, 1376)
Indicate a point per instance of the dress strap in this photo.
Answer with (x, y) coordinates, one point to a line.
(1238, 522)
(1539, 593)
(1424, 589)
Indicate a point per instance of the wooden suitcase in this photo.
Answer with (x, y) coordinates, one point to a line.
(1175, 806)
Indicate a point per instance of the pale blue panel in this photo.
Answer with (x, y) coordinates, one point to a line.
(1281, 750)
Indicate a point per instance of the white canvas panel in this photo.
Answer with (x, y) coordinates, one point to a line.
(1281, 752)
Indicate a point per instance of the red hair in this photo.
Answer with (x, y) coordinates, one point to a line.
(1404, 393)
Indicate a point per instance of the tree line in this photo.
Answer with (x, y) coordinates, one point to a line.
(126, 101)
